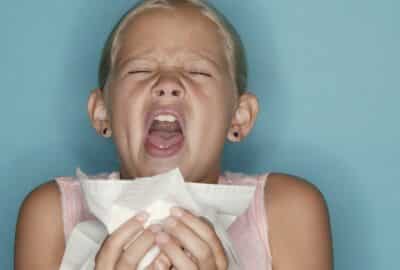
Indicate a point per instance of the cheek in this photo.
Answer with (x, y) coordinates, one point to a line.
(214, 118)
(126, 117)
(223, 102)
(126, 94)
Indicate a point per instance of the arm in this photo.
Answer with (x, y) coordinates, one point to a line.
(40, 245)
(298, 221)
(39, 239)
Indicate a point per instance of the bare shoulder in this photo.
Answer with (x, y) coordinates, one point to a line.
(41, 203)
(283, 190)
(298, 221)
(45, 193)
(39, 239)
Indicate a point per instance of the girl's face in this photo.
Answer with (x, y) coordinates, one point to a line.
(170, 96)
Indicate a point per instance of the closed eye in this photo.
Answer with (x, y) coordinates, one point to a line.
(200, 73)
(138, 71)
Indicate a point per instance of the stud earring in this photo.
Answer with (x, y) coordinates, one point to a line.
(107, 132)
(236, 134)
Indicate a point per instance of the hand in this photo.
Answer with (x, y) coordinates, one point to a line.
(161, 262)
(119, 252)
(190, 242)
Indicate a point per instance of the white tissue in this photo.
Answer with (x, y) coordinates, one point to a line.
(158, 210)
(113, 202)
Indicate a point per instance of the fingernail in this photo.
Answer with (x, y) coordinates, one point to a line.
(133, 239)
(155, 228)
(159, 265)
(163, 259)
(176, 211)
(142, 216)
(170, 222)
(162, 238)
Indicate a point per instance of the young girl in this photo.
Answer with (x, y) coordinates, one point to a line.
(172, 90)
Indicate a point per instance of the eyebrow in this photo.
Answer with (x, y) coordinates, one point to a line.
(210, 59)
(121, 62)
(147, 55)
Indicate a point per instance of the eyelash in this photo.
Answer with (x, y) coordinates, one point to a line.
(200, 73)
(138, 71)
(190, 72)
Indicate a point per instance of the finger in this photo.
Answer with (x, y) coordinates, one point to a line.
(191, 241)
(131, 257)
(161, 262)
(202, 227)
(174, 252)
(161, 265)
(163, 259)
(112, 246)
(189, 255)
(155, 228)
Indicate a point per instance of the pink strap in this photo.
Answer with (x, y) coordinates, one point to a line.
(260, 212)
(249, 232)
(74, 209)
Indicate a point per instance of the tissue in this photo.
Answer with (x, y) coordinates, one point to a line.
(113, 202)
(158, 210)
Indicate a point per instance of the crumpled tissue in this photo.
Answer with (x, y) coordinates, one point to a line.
(113, 202)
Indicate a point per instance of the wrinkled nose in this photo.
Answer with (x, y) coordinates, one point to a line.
(168, 86)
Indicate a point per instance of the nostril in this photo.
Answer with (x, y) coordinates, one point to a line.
(172, 92)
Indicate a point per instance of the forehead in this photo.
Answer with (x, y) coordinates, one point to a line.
(181, 29)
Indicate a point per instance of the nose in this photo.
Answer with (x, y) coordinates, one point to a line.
(168, 86)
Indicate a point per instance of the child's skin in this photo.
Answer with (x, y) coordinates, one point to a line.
(169, 49)
(169, 63)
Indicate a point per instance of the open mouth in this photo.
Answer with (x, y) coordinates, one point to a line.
(165, 136)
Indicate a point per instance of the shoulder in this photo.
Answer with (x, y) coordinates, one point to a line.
(42, 201)
(298, 222)
(282, 190)
(46, 191)
(39, 237)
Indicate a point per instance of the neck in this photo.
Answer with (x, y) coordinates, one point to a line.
(210, 178)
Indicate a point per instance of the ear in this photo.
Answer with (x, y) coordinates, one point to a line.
(244, 117)
(98, 114)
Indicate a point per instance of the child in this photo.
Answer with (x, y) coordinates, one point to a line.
(172, 90)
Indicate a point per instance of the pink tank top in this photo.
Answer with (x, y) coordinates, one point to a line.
(249, 232)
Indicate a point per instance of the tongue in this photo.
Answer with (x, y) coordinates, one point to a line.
(165, 126)
(164, 139)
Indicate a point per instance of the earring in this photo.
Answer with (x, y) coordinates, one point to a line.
(106, 132)
(236, 134)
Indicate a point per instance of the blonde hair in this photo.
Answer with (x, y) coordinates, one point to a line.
(235, 52)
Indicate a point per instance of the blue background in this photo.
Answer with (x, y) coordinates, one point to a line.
(326, 73)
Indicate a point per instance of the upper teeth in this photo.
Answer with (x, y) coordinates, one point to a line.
(165, 117)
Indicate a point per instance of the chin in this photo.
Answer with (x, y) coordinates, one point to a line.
(154, 167)
(162, 169)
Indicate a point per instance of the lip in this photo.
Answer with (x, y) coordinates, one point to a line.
(165, 110)
(154, 151)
